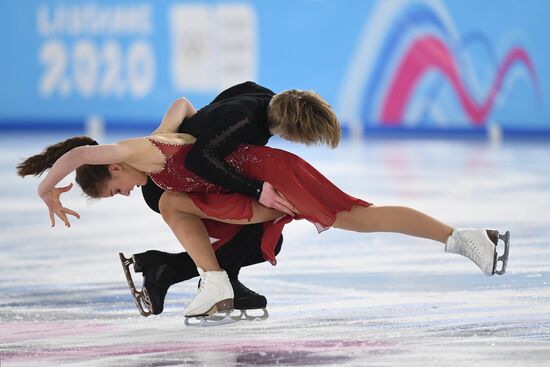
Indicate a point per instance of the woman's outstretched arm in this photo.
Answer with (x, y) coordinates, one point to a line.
(74, 158)
(70, 161)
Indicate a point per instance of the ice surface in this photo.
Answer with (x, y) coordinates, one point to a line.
(335, 299)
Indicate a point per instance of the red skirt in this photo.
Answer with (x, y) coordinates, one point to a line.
(317, 199)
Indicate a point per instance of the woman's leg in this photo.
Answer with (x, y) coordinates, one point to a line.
(183, 217)
(181, 202)
(393, 219)
(215, 293)
(191, 233)
(478, 245)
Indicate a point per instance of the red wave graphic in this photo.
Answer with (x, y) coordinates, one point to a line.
(430, 52)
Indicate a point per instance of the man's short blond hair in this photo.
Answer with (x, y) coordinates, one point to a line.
(303, 116)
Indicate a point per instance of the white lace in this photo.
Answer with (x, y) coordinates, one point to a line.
(473, 246)
(202, 281)
(474, 252)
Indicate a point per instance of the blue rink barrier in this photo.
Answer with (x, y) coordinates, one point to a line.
(145, 127)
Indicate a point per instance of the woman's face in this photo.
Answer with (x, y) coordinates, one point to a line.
(124, 179)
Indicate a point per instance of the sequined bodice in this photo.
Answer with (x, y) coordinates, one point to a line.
(175, 177)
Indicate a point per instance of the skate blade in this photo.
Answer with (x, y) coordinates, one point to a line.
(504, 257)
(221, 306)
(250, 315)
(210, 320)
(141, 298)
(225, 318)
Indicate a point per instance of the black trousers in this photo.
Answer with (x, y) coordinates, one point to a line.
(242, 250)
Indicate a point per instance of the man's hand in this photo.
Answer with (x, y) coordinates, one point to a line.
(272, 198)
(51, 198)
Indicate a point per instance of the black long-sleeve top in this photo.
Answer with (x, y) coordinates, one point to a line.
(236, 116)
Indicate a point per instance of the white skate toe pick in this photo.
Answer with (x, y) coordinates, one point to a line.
(215, 294)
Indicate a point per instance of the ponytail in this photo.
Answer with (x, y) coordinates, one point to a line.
(38, 163)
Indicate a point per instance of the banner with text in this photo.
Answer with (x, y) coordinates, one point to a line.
(401, 65)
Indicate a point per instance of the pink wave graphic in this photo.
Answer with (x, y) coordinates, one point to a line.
(430, 52)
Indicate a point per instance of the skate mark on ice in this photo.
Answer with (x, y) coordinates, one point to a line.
(12, 332)
(264, 352)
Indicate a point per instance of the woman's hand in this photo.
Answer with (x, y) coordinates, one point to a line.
(51, 198)
(271, 198)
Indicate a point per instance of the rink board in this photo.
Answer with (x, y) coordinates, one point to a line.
(335, 299)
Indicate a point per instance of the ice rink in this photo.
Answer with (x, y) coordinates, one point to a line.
(335, 299)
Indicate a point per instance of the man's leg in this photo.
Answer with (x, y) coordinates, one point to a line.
(161, 270)
(233, 256)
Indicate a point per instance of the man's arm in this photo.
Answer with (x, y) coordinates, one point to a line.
(207, 157)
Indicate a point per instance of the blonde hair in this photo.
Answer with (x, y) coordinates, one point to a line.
(303, 116)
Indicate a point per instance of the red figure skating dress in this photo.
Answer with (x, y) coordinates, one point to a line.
(317, 199)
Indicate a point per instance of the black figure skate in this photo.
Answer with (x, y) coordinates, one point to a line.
(247, 300)
(141, 298)
(158, 276)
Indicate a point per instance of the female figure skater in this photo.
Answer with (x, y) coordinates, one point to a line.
(107, 170)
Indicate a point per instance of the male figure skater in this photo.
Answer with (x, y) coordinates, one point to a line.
(245, 113)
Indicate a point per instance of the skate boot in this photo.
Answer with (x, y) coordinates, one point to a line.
(214, 295)
(150, 259)
(247, 299)
(480, 246)
(158, 276)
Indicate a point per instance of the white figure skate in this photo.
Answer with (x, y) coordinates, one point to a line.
(215, 295)
(480, 246)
